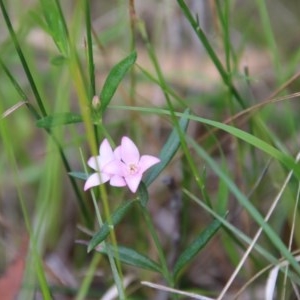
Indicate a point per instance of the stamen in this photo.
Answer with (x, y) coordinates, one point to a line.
(133, 169)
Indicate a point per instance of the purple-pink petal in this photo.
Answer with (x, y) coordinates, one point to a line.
(106, 152)
(133, 181)
(105, 147)
(147, 161)
(123, 166)
(117, 181)
(129, 151)
(94, 163)
(117, 153)
(113, 168)
(96, 179)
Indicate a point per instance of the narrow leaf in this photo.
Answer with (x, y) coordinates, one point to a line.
(58, 60)
(131, 257)
(114, 78)
(58, 120)
(143, 194)
(56, 24)
(115, 219)
(251, 139)
(79, 175)
(168, 151)
(192, 249)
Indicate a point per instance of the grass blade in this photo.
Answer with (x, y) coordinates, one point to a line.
(192, 249)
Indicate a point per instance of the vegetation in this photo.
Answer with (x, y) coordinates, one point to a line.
(208, 87)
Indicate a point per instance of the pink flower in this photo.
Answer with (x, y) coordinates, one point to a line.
(129, 165)
(98, 163)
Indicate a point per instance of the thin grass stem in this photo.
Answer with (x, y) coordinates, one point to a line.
(202, 37)
(23, 60)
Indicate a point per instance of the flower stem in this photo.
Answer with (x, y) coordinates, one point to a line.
(115, 270)
(112, 262)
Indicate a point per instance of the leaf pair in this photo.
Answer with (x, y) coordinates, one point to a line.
(110, 86)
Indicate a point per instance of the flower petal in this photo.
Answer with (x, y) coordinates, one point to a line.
(105, 147)
(94, 163)
(117, 153)
(147, 161)
(129, 151)
(95, 179)
(115, 167)
(117, 181)
(106, 152)
(133, 181)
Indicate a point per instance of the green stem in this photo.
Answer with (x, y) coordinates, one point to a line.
(132, 16)
(271, 42)
(224, 20)
(202, 37)
(111, 259)
(90, 59)
(90, 56)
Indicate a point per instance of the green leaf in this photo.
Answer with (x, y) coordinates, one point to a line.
(143, 194)
(131, 257)
(286, 159)
(56, 24)
(79, 175)
(114, 78)
(35, 16)
(192, 249)
(115, 219)
(58, 120)
(58, 60)
(168, 151)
